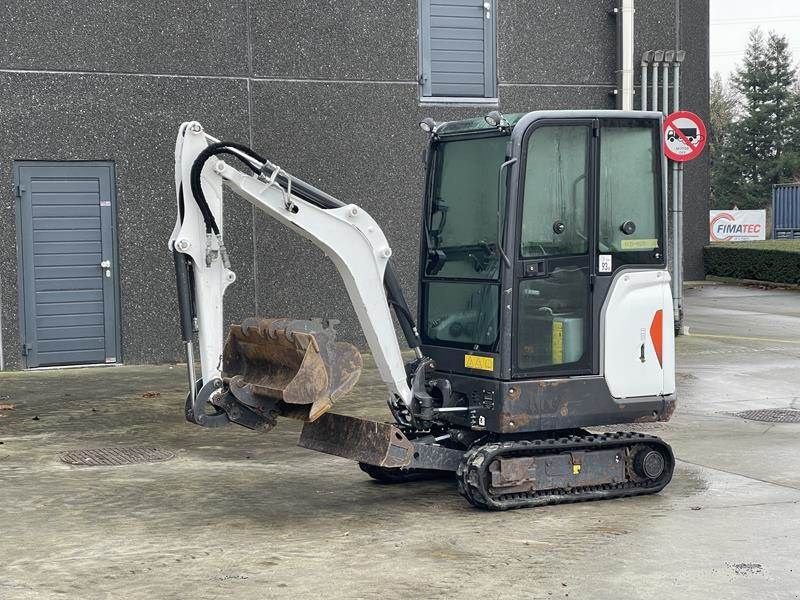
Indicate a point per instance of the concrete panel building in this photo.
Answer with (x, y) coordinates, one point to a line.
(91, 95)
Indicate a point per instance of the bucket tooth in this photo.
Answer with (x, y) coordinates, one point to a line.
(297, 364)
(319, 408)
(250, 323)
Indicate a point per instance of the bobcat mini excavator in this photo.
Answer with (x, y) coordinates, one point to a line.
(544, 308)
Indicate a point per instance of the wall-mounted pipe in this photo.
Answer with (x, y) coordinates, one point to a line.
(646, 58)
(2, 354)
(677, 205)
(658, 57)
(665, 66)
(627, 11)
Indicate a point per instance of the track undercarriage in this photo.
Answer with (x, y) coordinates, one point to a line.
(551, 469)
(580, 467)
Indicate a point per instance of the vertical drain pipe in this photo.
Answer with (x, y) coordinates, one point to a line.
(646, 58)
(677, 204)
(628, 11)
(668, 56)
(625, 90)
(2, 354)
(658, 57)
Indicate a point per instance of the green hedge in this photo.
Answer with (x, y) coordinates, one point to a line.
(777, 261)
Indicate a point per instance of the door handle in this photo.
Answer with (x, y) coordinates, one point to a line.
(106, 264)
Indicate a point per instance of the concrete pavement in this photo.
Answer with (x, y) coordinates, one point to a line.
(245, 515)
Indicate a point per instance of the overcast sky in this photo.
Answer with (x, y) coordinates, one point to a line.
(732, 20)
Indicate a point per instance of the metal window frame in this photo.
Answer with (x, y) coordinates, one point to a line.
(424, 280)
(638, 258)
(423, 14)
(589, 363)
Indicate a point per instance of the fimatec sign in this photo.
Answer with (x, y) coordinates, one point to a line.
(737, 225)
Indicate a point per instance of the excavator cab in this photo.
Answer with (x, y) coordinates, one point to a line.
(532, 224)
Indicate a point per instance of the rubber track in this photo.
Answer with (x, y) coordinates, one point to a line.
(474, 478)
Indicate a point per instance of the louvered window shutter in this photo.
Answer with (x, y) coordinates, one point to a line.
(458, 48)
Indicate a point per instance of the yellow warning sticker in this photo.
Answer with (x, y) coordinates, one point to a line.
(558, 342)
(638, 244)
(576, 469)
(482, 363)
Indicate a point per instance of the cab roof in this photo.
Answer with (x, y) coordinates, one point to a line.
(474, 125)
(479, 124)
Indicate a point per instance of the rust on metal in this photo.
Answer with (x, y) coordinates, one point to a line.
(658, 415)
(518, 412)
(518, 473)
(297, 363)
(669, 408)
(564, 470)
(371, 442)
(649, 418)
(546, 384)
(511, 422)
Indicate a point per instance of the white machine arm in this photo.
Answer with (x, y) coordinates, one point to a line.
(347, 235)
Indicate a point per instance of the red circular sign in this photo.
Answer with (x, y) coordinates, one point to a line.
(684, 136)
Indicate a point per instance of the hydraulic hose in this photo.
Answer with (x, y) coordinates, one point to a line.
(197, 169)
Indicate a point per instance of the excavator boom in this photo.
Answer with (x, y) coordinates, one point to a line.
(297, 366)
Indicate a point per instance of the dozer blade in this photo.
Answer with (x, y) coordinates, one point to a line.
(298, 365)
(370, 442)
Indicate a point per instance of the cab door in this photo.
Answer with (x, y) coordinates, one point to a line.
(555, 241)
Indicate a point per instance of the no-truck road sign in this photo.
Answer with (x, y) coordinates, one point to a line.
(684, 136)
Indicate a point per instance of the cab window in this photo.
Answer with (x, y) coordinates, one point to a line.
(554, 216)
(630, 215)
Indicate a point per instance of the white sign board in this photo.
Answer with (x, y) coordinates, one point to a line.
(737, 225)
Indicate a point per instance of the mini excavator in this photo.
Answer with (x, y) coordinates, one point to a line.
(544, 309)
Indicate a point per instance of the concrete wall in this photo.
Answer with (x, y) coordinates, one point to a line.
(327, 89)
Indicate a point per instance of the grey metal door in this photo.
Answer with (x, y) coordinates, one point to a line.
(67, 254)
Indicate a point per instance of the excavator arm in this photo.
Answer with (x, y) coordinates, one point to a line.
(311, 367)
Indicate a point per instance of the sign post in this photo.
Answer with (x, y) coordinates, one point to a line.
(684, 137)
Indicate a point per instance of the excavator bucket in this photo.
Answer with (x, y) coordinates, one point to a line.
(295, 366)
